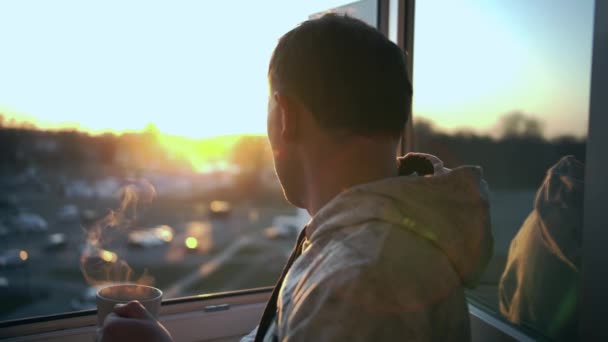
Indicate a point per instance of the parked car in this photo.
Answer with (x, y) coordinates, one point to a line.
(30, 223)
(55, 242)
(287, 226)
(86, 300)
(4, 283)
(68, 213)
(88, 216)
(279, 232)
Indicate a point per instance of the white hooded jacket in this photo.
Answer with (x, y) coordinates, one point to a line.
(389, 260)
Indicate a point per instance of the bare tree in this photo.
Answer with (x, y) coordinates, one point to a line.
(520, 125)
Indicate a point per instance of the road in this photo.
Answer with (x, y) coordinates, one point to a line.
(52, 279)
(232, 254)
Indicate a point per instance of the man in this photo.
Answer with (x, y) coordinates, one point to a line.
(385, 257)
(540, 284)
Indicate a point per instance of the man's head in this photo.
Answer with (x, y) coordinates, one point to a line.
(333, 79)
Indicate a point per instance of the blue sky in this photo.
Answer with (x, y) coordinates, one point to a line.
(198, 68)
(475, 60)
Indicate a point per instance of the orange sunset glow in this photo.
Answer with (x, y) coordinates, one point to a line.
(192, 81)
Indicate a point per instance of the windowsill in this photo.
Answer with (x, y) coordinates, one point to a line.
(172, 312)
(225, 316)
(482, 313)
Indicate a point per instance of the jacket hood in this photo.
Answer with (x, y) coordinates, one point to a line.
(559, 205)
(450, 209)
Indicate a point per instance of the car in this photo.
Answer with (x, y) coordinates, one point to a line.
(287, 226)
(89, 216)
(13, 258)
(30, 223)
(219, 209)
(57, 241)
(93, 256)
(68, 213)
(152, 237)
(86, 300)
(279, 232)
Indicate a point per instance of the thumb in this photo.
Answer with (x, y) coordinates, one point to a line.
(132, 309)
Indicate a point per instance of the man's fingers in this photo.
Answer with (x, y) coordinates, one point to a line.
(112, 319)
(414, 162)
(115, 326)
(411, 160)
(132, 309)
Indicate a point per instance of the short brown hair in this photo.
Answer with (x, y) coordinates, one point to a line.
(349, 75)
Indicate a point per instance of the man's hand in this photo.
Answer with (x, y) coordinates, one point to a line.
(132, 322)
(422, 163)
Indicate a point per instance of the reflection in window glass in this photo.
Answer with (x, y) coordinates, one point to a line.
(132, 139)
(505, 85)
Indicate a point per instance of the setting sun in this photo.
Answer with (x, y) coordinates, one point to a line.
(204, 155)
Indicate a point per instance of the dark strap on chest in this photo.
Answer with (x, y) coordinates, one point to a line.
(270, 311)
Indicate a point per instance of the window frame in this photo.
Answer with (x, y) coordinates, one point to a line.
(406, 10)
(593, 300)
(84, 322)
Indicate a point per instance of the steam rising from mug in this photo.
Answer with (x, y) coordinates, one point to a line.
(100, 265)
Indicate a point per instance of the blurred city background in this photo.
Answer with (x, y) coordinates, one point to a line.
(223, 219)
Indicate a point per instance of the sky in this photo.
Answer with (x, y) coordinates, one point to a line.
(475, 60)
(198, 68)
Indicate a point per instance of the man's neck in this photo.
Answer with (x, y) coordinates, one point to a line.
(335, 170)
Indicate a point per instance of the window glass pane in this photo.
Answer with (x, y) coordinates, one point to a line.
(505, 85)
(133, 148)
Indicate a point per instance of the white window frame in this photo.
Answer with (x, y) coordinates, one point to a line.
(241, 309)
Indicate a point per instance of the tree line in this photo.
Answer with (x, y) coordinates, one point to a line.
(517, 158)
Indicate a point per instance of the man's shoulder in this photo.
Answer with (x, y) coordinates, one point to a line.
(375, 243)
(385, 283)
(378, 251)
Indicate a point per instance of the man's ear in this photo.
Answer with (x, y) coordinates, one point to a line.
(288, 111)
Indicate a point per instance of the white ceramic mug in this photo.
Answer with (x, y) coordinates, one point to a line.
(107, 297)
